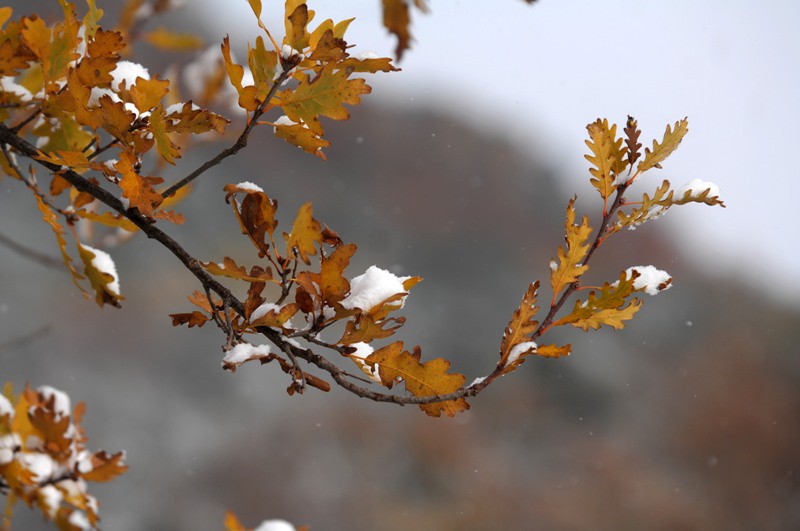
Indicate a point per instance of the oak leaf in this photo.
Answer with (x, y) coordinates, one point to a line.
(137, 188)
(325, 95)
(103, 283)
(50, 218)
(105, 467)
(147, 93)
(302, 137)
(229, 268)
(420, 379)
(570, 265)
(672, 138)
(332, 284)
(306, 232)
(256, 216)
(194, 318)
(607, 156)
(553, 351)
(522, 324)
(166, 39)
(158, 127)
(365, 328)
(609, 307)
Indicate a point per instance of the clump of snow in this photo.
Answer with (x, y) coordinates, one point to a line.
(650, 279)
(695, 187)
(7, 84)
(362, 351)
(97, 93)
(287, 51)
(79, 520)
(127, 71)
(363, 56)
(197, 74)
(372, 288)
(477, 381)
(51, 498)
(102, 261)
(6, 408)
(242, 353)
(40, 465)
(250, 187)
(518, 350)
(275, 525)
(61, 402)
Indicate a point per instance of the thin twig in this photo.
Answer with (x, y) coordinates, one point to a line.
(240, 143)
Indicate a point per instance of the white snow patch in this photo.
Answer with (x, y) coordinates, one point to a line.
(97, 93)
(6, 408)
(362, 351)
(250, 187)
(519, 349)
(102, 261)
(650, 279)
(7, 84)
(242, 353)
(265, 308)
(40, 465)
(79, 520)
(62, 405)
(695, 187)
(477, 381)
(197, 74)
(51, 498)
(127, 71)
(369, 54)
(275, 525)
(372, 288)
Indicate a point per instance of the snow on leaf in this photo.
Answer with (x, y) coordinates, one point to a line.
(650, 208)
(608, 157)
(699, 191)
(522, 324)
(649, 279)
(306, 232)
(420, 379)
(102, 274)
(244, 352)
(672, 137)
(570, 265)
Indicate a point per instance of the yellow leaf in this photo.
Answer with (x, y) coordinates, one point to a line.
(522, 324)
(420, 379)
(147, 93)
(302, 137)
(105, 467)
(365, 328)
(570, 265)
(166, 148)
(325, 95)
(653, 158)
(231, 522)
(165, 39)
(306, 232)
(606, 308)
(108, 219)
(50, 218)
(608, 156)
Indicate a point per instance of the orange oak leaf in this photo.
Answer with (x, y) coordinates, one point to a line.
(137, 188)
(166, 148)
(522, 324)
(105, 467)
(194, 318)
(167, 39)
(229, 268)
(332, 284)
(609, 307)
(52, 220)
(420, 379)
(553, 351)
(608, 156)
(306, 231)
(99, 273)
(364, 328)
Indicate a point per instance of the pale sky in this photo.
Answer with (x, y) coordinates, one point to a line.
(551, 68)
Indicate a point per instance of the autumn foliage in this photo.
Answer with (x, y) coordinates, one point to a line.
(98, 129)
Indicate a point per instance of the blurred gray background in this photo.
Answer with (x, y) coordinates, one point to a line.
(687, 419)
